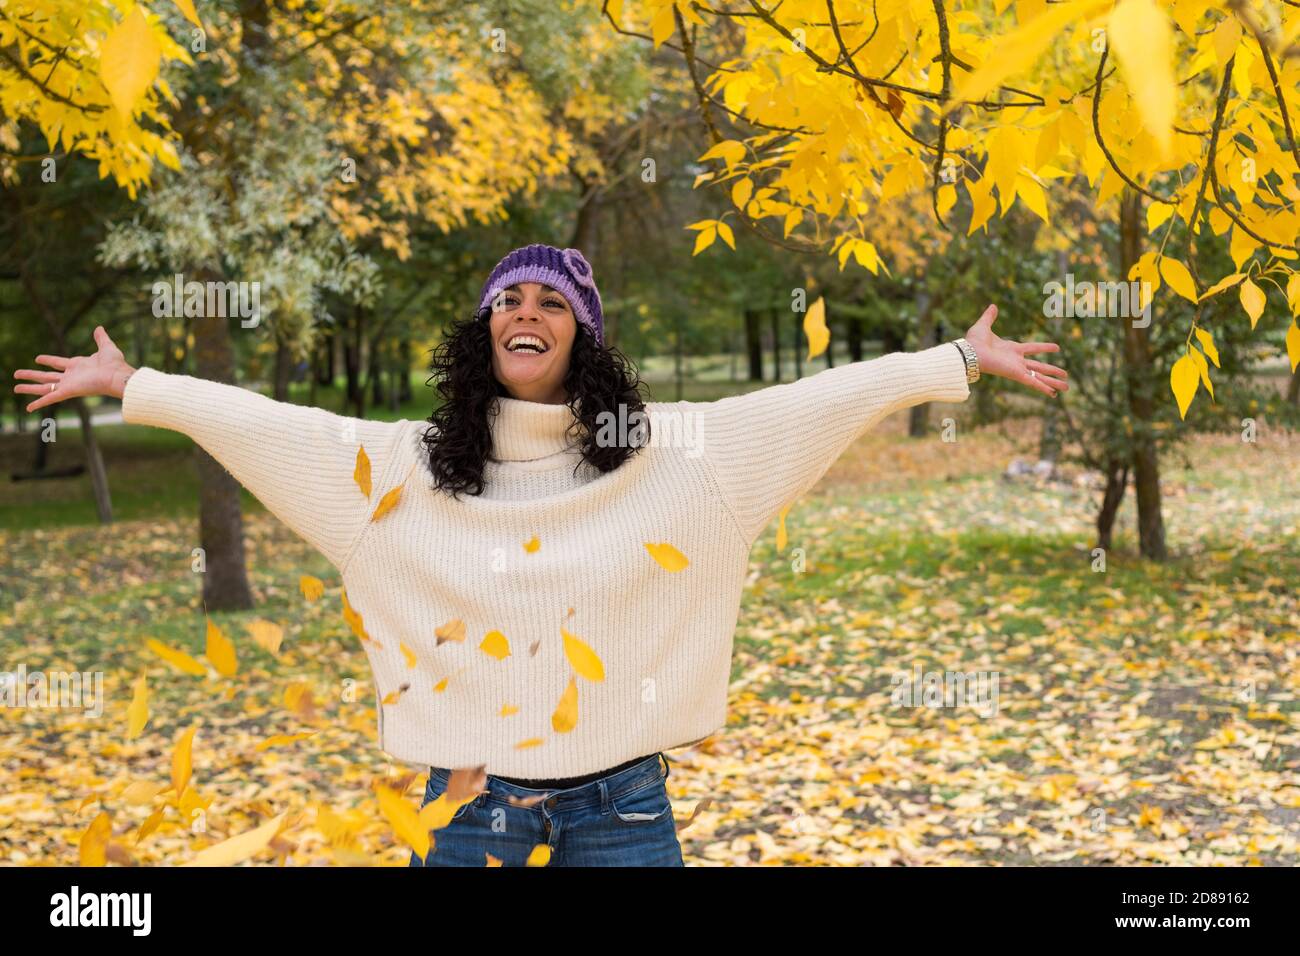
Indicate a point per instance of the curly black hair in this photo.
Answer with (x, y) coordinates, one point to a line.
(599, 379)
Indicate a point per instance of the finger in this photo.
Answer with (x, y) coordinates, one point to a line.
(43, 389)
(1047, 367)
(49, 398)
(986, 320)
(37, 375)
(54, 361)
(1026, 348)
(1038, 385)
(102, 339)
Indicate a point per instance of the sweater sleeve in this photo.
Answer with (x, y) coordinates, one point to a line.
(298, 460)
(769, 446)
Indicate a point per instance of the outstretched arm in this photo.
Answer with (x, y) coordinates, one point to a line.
(769, 446)
(297, 460)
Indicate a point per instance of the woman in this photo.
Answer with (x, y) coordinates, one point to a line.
(551, 595)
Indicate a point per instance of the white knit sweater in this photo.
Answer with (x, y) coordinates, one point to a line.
(713, 476)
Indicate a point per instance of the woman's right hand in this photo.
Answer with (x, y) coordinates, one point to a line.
(104, 373)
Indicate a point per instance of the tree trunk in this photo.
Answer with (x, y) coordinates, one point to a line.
(919, 415)
(1116, 482)
(798, 346)
(376, 374)
(775, 315)
(830, 345)
(1293, 388)
(1139, 371)
(404, 372)
(95, 462)
(356, 395)
(754, 345)
(283, 366)
(854, 328)
(221, 523)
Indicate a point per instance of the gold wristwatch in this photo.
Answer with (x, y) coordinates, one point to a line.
(971, 359)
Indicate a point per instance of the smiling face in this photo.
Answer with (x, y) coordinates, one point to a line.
(532, 331)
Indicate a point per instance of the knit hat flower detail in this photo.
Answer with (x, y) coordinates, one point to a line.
(565, 270)
(579, 268)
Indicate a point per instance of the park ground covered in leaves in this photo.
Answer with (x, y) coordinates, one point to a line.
(1145, 713)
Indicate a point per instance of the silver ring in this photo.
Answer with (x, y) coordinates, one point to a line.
(1033, 374)
(53, 386)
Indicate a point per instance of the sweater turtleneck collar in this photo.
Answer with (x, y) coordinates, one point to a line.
(525, 431)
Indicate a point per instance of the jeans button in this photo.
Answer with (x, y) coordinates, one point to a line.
(551, 803)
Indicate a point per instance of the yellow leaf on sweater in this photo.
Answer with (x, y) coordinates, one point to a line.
(183, 761)
(408, 654)
(137, 714)
(584, 660)
(532, 544)
(508, 711)
(453, 630)
(667, 557)
(312, 588)
(356, 622)
(565, 717)
(239, 848)
(494, 644)
(220, 651)
(387, 503)
(441, 686)
(361, 474)
(540, 856)
(530, 742)
(393, 696)
(178, 659)
(94, 840)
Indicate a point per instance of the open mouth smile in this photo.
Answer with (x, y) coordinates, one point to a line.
(524, 342)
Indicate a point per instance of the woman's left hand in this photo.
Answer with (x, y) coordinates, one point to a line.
(1002, 357)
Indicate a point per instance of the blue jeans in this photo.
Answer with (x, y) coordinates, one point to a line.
(623, 819)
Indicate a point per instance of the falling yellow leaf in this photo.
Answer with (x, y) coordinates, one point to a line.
(439, 687)
(508, 711)
(298, 700)
(182, 761)
(393, 696)
(137, 714)
(129, 59)
(781, 539)
(178, 659)
(532, 544)
(355, 621)
(667, 557)
(141, 793)
(404, 819)
(361, 473)
(187, 8)
(220, 651)
(1143, 40)
(409, 654)
(565, 717)
(150, 824)
(529, 743)
(540, 856)
(494, 644)
(266, 635)
(814, 327)
(94, 840)
(453, 630)
(239, 848)
(583, 659)
(312, 587)
(387, 503)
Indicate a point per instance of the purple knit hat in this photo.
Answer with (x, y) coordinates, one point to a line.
(564, 270)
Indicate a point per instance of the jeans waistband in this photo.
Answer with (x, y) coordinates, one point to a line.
(610, 786)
